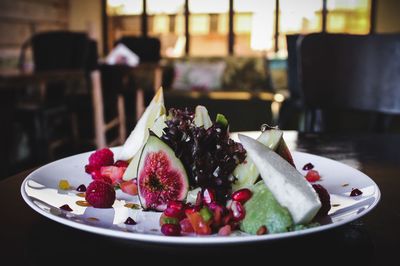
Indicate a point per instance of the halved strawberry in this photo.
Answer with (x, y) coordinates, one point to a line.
(129, 187)
(113, 172)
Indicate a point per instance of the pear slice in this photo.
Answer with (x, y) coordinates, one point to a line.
(246, 173)
(140, 133)
(201, 117)
(157, 129)
(287, 185)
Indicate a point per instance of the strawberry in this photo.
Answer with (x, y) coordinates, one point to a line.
(113, 172)
(100, 194)
(129, 187)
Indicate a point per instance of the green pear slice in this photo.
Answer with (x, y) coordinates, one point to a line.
(140, 133)
(287, 185)
(201, 117)
(246, 173)
(157, 129)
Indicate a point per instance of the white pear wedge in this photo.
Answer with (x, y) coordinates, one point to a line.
(246, 173)
(287, 185)
(201, 117)
(140, 133)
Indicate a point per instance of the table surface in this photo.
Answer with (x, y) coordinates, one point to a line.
(31, 239)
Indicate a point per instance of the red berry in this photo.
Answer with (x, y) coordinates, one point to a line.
(325, 199)
(100, 194)
(186, 226)
(121, 163)
(313, 176)
(242, 195)
(171, 229)
(103, 157)
(238, 211)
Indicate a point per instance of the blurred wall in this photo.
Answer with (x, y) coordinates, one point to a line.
(85, 15)
(19, 19)
(387, 17)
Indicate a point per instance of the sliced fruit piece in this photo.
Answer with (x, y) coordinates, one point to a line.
(113, 172)
(201, 117)
(264, 210)
(284, 152)
(287, 185)
(192, 195)
(140, 133)
(157, 128)
(161, 176)
(222, 120)
(200, 227)
(129, 187)
(247, 173)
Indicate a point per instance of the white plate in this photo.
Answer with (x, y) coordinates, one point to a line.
(40, 191)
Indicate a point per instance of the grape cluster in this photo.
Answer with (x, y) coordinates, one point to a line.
(209, 155)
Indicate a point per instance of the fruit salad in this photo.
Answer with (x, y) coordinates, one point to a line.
(184, 165)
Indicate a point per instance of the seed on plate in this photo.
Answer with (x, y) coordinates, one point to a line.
(63, 184)
(82, 203)
(262, 230)
(355, 192)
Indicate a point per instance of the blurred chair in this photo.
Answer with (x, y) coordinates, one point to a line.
(70, 109)
(350, 82)
(292, 107)
(51, 122)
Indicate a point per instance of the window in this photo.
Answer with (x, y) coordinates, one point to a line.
(166, 22)
(346, 16)
(253, 26)
(124, 18)
(298, 17)
(208, 27)
(254, 23)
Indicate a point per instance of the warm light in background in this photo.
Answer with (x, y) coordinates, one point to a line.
(253, 23)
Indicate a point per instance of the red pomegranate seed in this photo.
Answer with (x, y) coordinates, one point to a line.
(355, 192)
(242, 195)
(192, 209)
(186, 226)
(171, 229)
(238, 211)
(313, 176)
(208, 195)
(225, 230)
(177, 205)
(172, 212)
(308, 166)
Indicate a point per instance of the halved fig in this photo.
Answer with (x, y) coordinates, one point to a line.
(161, 176)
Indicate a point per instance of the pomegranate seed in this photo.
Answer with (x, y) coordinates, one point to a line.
(192, 209)
(242, 195)
(177, 205)
(208, 195)
(121, 163)
(171, 212)
(238, 211)
(262, 230)
(186, 226)
(355, 192)
(308, 166)
(227, 218)
(171, 229)
(225, 230)
(313, 176)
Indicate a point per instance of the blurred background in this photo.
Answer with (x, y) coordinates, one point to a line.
(76, 75)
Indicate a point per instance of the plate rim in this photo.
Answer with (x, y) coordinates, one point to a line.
(195, 240)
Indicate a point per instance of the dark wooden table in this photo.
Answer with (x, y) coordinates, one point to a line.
(31, 239)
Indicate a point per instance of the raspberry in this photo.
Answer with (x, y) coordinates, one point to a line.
(100, 194)
(324, 198)
(103, 157)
